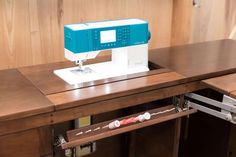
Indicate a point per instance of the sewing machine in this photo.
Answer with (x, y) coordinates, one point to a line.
(128, 40)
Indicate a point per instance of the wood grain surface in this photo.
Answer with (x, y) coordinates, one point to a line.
(31, 143)
(113, 90)
(31, 31)
(212, 20)
(19, 98)
(202, 60)
(43, 77)
(206, 21)
(181, 22)
(198, 61)
(224, 84)
(233, 94)
(93, 136)
(122, 102)
(21, 124)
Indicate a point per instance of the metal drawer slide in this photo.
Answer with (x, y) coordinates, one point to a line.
(227, 106)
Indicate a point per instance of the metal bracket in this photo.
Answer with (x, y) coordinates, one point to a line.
(61, 140)
(176, 103)
(227, 106)
(179, 103)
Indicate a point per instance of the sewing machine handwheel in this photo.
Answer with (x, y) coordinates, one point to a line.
(149, 35)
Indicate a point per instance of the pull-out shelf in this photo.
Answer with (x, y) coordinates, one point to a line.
(224, 84)
(98, 131)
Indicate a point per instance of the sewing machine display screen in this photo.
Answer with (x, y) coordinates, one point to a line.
(108, 36)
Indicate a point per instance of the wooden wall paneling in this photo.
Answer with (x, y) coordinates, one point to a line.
(213, 20)
(209, 21)
(230, 15)
(181, 22)
(91, 10)
(159, 15)
(157, 12)
(32, 30)
(231, 19)
(3, 53)
(75, 11)
(15, 33)
(8, 32)
(35, 32)
(4, 59)
(49, 29)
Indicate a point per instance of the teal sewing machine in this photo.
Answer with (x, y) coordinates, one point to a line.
(128, 40)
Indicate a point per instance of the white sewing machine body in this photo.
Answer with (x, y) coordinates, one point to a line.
(128, 40)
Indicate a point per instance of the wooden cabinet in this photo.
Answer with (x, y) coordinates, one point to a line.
(31, 143)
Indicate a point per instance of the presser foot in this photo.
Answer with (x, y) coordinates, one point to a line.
(85, 70)
(81, 69)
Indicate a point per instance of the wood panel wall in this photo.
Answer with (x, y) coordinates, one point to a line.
(181, 22)
(212, 20)
(209, 20)
(31, 31)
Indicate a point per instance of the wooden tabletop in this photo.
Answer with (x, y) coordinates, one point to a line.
(47, 82)
(44, 79)
(19, 98)
(192, 62)
(233, 94)
(32, 90)
(198, 61)
(195, 62)
(224, 84)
